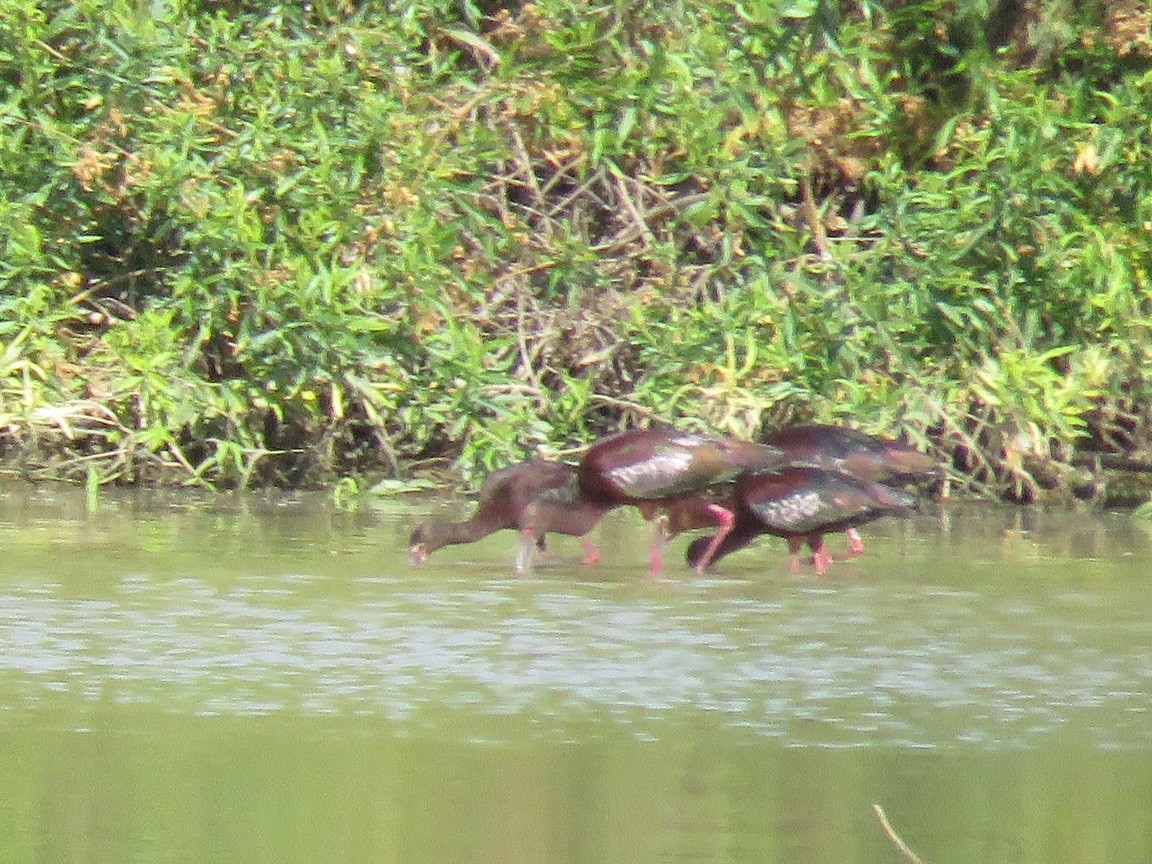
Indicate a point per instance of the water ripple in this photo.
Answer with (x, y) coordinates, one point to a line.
(819, 666)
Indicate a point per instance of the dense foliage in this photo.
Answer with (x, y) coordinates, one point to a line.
(285, 243)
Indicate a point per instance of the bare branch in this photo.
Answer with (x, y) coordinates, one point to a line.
(891, 834)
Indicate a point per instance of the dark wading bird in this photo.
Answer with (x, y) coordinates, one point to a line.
(561, 511)
(866, 457)
(654, 468)
(800, 504)
(506, 501)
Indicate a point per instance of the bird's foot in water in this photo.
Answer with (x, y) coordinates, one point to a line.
(591, 556)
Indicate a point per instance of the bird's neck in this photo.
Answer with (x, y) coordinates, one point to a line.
(745, 529)
(739, 537)
(450, 533)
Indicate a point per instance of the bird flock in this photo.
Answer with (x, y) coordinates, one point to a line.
(798, 483)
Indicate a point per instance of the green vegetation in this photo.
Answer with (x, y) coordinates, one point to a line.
(290, 243)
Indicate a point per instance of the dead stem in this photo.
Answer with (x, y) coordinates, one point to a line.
(813, 218)
(526, 359)
(583, 190)
(631, 232)
(633, 407)
(566, 171)
(639, 221)
(890, 832)
(528, 172)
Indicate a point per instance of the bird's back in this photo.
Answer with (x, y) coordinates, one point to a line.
(657, 463)
(507, 492)
(839, 448)
(808, 500)
(562, 510)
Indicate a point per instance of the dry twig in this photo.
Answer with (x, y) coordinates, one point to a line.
(891, 834)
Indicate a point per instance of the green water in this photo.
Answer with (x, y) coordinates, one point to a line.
(191, 679)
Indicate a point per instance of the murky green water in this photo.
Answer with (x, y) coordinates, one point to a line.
(213, 679)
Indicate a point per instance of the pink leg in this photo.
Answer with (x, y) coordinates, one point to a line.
(855, 543)
(526, 551)
(541, 548)
(724, 521)
(657, 539)
(821, 557)
(794, 544)
(591, 556)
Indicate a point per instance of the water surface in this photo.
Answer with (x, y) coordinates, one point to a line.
(198, 678)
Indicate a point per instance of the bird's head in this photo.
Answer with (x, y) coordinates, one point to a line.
(696, 550)
(419, 545)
